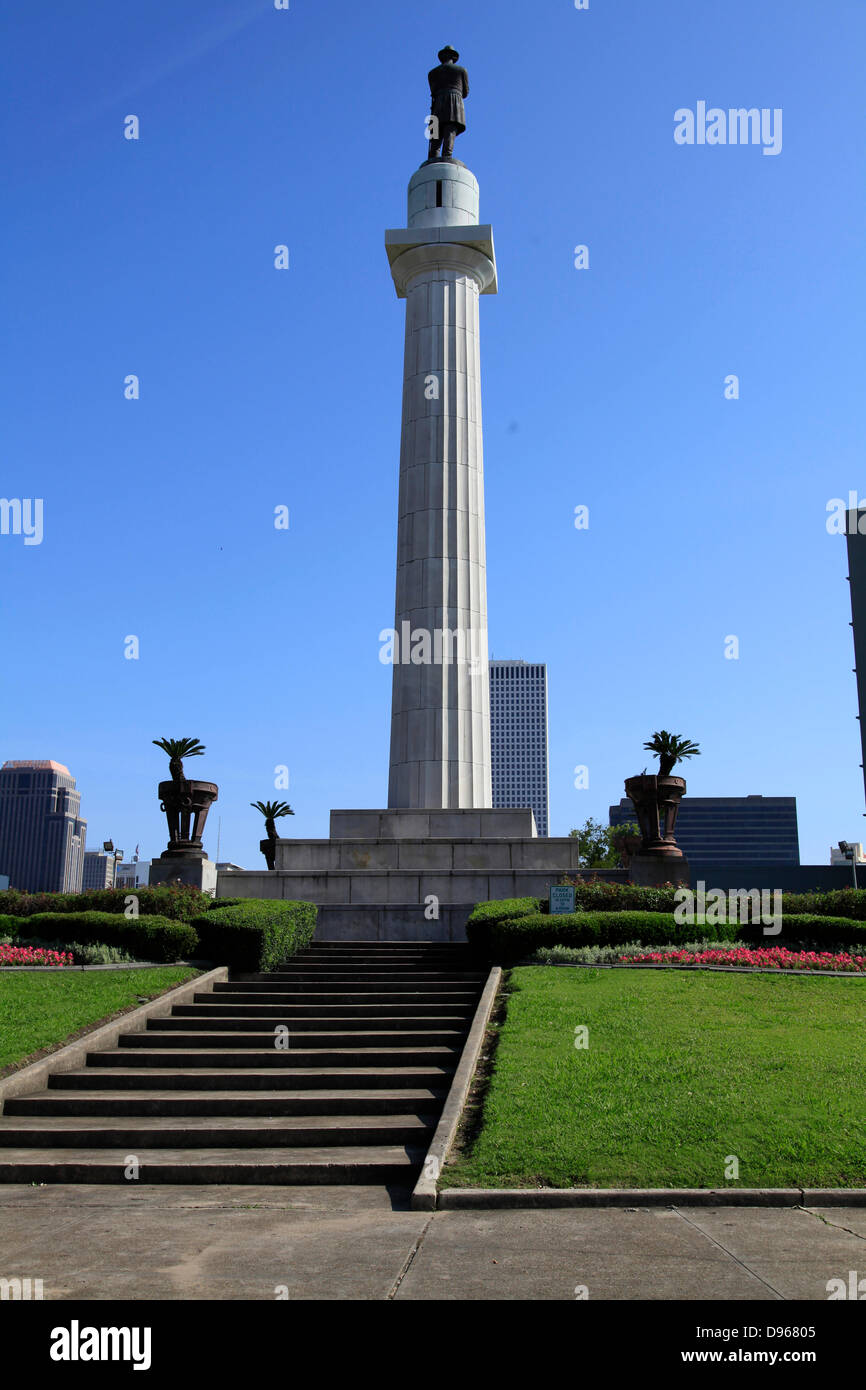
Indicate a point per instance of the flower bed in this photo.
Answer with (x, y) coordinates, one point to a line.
(33, 955)
(765, 958)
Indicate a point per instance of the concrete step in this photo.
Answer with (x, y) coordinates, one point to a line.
(316, 983)
(348, 976)
(385, 950)
(323, 1165)
(322, 943)
(389, 963)
(404, 953)
(261, 1058)
(268, 1038)
(244, 1023)
(334, 961)
(206, 1095)
(357, 996)
(199, 1132)
(227, 1009)
(423, 1100)
(318, 987)
(329, 960)
(449, 958)
(320, 1078)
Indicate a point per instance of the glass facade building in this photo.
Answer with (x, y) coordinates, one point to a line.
(731, 829)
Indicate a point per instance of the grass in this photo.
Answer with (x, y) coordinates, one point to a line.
(682, 1070)
(39, 1012)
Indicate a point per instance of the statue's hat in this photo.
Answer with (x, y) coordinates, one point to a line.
(446, 53)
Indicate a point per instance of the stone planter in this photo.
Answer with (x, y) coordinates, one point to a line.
(186, 805)
(656, 801)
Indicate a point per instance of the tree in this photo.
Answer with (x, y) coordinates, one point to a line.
(671, 749)
(272, 810)
(178, 749)
(596, 850)
(601, 845)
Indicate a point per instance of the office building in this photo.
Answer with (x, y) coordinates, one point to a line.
(100, 867)
(837, 857)
(731, 829)
(42, 835)
(518, 737)
(134, 873)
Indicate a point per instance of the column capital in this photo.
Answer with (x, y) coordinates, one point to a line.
(411, 251)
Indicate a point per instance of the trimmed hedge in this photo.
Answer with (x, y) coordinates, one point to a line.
(832, 902)
(501, 910)
(180, 902)
(149, 938)
(600, 895)
(810, 930)
(515, 937)
(512, 938)
(257, 934)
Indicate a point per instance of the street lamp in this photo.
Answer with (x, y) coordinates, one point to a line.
(850, 852)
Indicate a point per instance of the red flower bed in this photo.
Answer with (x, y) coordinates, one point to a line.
(767, 957)
(33, 955)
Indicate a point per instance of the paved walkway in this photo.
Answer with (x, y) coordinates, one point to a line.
(208, 1242)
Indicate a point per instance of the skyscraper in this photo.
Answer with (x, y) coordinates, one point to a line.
(42, 836)
(518, 737)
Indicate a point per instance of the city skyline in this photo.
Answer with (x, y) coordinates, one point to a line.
(604, 388)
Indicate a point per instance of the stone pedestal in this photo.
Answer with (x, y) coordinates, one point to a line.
(652, 870)
(440, 706)
(196, 870)
(393, 875)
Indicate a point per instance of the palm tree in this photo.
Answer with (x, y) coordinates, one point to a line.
(671, 749)
(178, 749)
(272, 810)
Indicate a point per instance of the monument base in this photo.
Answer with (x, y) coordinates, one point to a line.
(410, 874)
(195, 870)
(653, 870)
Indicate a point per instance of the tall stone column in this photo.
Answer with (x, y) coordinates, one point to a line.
(440, 706)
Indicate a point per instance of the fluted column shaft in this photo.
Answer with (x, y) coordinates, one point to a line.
(440, 717)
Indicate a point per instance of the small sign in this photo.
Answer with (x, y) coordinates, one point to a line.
(561, 899)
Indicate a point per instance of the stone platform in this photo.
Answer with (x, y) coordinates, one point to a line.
(382, 874)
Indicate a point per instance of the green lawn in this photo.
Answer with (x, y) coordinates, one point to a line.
(39, 1009)
(682, 1070)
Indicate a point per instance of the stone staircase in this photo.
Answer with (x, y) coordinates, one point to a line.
(218, 1092)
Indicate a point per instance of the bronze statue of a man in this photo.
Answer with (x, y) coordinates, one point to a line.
(448, 86)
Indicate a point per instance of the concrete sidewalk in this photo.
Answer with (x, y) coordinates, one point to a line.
(358, 1243)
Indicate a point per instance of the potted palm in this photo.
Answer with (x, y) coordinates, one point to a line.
(185, 802)
(271, 810)
(656, 799)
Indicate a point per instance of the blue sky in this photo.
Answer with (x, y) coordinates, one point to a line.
(259, 387)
